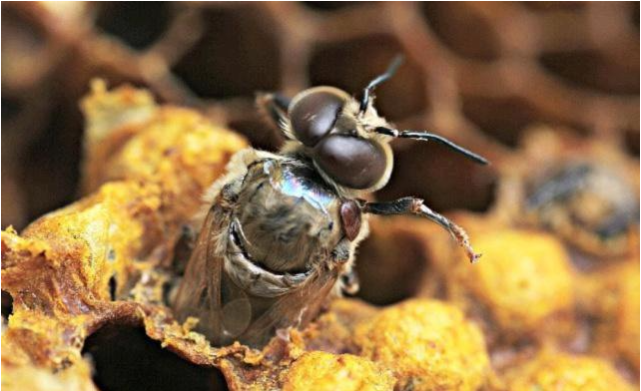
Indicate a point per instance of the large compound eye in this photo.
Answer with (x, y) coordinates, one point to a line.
(314, 112)
(350, 161)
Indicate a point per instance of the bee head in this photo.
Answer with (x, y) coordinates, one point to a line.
(326, 121)
(346, 138)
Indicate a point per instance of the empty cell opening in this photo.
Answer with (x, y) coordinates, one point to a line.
(126, 359)
(594, 70)
(51, 162)
(329, 6)
(461, 29)
(390, 266)
(237, 55)
(632, 141)
(7, 304)
(502, 118)
(112, 288)
(260, 134)
(353, 64)
(11, 108)
(138, 24)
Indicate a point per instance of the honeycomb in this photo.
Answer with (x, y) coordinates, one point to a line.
(538, 88)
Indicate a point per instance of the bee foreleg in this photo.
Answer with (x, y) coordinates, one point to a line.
(342, 252)
(343, 256)
(417, 207)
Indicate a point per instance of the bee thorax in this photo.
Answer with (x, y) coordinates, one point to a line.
(286, 219)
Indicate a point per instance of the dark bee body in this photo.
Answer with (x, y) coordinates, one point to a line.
(281, 230)
(583, 202)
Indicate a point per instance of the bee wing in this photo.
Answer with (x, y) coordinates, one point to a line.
(201, 298)
(293, 309)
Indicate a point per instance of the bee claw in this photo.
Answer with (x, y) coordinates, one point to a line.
(464, 241)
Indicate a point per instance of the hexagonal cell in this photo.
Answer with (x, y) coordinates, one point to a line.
(237, 55)
(445, 180)
(592, 69)
(138, 24)
(503, 118)
(125, 359)
(351, 65)
(464, 31)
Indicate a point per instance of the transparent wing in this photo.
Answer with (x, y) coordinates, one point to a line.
(225, 312)
(293, 309)
(199, 292)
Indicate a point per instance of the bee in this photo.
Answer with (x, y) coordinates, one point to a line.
(586, 203)
(280, 230)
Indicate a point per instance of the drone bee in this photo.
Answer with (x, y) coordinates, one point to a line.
(281, 230)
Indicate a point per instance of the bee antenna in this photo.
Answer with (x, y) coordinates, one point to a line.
(425, 136)
(391, 70)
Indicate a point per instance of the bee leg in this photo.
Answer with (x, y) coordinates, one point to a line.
(343, 256)
(350, 282)
(274, 107)
(417, 207)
